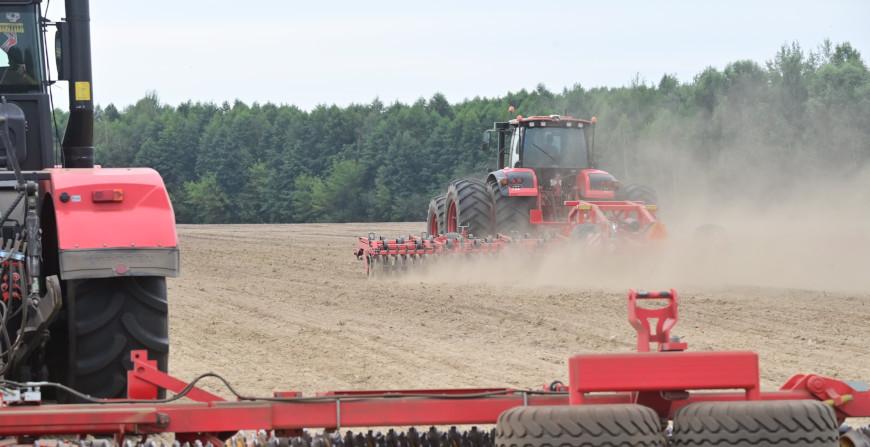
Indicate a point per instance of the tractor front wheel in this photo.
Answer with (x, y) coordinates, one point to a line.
(107, 318)
(579, 425)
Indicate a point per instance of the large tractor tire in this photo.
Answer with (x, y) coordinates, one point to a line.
(435, 216)
(772, 423)
(510, 214)
(639, 193)
(108, 318)
(468, 204)
(579, 425)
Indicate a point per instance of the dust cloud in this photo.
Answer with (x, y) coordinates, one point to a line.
(813, 238)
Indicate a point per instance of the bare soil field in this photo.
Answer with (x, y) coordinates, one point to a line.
(288, 307)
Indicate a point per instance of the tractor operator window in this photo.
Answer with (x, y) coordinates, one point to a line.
(20, 61)
(554, 147)
(514, 160)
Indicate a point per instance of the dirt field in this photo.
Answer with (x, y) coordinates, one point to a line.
(288, 307)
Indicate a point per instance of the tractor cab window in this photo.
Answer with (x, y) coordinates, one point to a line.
(554, 147)
(514, 159)
(20, 58)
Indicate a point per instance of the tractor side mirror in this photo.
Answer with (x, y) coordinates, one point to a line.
(61, 50)
(484, 146)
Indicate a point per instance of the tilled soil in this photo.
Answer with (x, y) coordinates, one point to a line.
(287, 307)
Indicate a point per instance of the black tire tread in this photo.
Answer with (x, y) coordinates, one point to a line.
(640, 193)
(437, 207)
(771, 423)
(579, 426)
(109, 318)
(510, 214)
(473, 205)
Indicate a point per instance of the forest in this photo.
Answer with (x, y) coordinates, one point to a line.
(801, 113)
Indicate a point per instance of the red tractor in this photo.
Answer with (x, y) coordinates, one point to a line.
(85, 250)
(547, 178)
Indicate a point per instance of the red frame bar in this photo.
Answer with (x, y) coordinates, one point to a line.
(663, 371)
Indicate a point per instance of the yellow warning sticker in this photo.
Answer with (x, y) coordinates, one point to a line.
(83, 91)
(11, 27)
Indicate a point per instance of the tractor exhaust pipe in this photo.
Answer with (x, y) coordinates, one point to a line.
(78, 141)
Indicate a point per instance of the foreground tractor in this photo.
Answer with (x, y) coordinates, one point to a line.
(85, 250)
(660, 395)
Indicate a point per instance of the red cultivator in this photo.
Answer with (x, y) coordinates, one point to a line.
(713, 398)
(605, 226)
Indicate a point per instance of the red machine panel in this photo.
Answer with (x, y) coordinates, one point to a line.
(111, 208)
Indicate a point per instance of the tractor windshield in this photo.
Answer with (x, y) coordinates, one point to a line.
(21, 58)
(554, 147)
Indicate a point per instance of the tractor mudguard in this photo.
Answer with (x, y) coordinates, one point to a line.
(515, 182)
(112, 222)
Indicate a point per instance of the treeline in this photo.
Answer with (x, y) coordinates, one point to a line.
(800, 114)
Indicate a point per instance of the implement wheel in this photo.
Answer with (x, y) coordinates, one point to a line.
(772, 423)
(510, 214)
(435, 216)
(639, 193)
(108, 318)
(468, 205)
(579, 426)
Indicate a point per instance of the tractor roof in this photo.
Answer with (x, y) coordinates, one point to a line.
(520, 120)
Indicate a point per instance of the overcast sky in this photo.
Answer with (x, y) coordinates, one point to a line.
(308, 53)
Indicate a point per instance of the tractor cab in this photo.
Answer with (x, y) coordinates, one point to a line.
(558, 150)
(21, 59)
(549, 142)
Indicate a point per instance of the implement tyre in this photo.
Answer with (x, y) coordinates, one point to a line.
(639, 193)
(579, 426)
(772, 423)
(468, 204)
(510, 214)
(435, 216)
(108, 318)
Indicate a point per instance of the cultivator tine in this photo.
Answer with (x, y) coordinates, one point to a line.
(391, 438)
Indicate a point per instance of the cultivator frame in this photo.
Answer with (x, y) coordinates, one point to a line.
(665, 380)
(601, 224)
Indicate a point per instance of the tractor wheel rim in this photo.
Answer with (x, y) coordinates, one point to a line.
(451, 218)
(433, 224)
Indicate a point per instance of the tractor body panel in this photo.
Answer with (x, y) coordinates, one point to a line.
(515, 182)
(113, 222)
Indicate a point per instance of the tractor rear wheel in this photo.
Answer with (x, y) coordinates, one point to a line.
(771, 423)
(640, 193)
(468, 205)
(435, 216)
(108, 318)
(579, 425)
(510, 214)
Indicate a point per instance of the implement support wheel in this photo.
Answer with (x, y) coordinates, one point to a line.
(579, 426)
(772, 423)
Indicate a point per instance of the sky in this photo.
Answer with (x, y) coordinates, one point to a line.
(341, 52)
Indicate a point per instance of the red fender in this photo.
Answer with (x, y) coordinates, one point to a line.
(113, 222)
